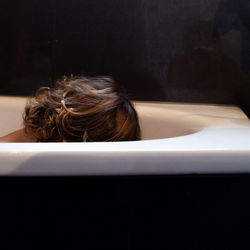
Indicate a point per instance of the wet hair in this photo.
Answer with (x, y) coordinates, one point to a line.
(81, 109)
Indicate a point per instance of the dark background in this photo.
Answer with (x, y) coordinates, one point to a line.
(161, 50)
(125, 213)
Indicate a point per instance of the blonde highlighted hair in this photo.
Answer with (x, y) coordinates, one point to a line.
(81, 109)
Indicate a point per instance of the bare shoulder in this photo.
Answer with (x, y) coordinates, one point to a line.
(17, 136)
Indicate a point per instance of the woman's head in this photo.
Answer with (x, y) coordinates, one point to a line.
(81, 109)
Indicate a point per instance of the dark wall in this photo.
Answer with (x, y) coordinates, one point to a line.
(191, 51)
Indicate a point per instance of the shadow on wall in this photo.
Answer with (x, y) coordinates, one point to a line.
(234, 15)
(203, 70)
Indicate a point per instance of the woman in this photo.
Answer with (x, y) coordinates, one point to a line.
(81, 109)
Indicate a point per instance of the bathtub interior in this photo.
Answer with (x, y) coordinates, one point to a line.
(157, 120)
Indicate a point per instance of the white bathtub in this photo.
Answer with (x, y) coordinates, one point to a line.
(177, 139)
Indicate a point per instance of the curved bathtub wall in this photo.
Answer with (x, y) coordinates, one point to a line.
(157, 120)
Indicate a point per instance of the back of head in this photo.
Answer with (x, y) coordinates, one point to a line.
(81, 109)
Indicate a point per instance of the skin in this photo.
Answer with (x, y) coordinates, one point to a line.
(17, 136)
